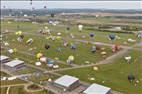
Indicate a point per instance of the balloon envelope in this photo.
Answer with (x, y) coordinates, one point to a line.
(71, 58)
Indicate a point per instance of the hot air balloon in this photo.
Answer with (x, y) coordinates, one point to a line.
(18, 33)
(91, 34)
(115, 48)
(29, 41)
(73, 46)
(68, 28)
(111, 37)
(131, 77)
(93, 49)
(39, 55)
(80, 27)
(47, 46)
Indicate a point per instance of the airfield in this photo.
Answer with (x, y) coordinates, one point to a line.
(104, 66)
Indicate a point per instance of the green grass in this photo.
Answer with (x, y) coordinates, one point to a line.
(66, 51)
(12, 82)
(3, 90)
(20, 90)
(114, 75)
(4, 74)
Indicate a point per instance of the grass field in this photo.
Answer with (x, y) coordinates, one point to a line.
(114, 75)
(9, 82)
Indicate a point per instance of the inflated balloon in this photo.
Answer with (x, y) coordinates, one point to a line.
(39, 55)
(115, 48)
(103, 53)
(50, 63)
(131, 77)
(29, 41)
(80, 27)
(91, 34)
(71, 57)
(43, 59)
(47, 46)
(93, 49)
(68, 28)
(19, 39)
(73, 46)
(18, 33)
(111, 37)
(95, 68)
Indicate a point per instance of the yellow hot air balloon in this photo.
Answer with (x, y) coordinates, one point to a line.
(39, 55)
(15, 50)
(18, 33)
(103, 53)
(46, 27)
(71, 57)
(95, 68)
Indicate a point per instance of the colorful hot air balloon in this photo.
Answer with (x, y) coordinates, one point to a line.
(18, 33)
(111, 37)
(39, 55)
(71, 57)
(47, 46)
(91, 34)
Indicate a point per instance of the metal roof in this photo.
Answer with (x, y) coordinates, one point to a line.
(97, 89)
(2, 57)
(66, 80)
(14, 63)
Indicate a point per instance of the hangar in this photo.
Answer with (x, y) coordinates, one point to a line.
(97, 89)
(67, 82)
(15, 64)
(4, 59)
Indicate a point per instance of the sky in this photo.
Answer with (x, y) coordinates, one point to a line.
(72, 4)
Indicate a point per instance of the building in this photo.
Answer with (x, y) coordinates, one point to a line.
(14, 64)
(4, 59)
(67, 82)
(97, 89)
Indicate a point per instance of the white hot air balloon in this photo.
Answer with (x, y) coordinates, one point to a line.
(80, 27)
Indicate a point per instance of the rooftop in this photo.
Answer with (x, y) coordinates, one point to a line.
(14, 63)
(97, 89)
(2, 57)
(66, 80)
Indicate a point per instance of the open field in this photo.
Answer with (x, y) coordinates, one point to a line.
(112, 74)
